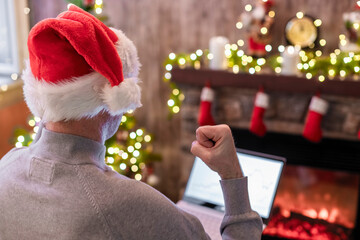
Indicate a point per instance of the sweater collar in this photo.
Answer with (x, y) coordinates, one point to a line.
(68, 148)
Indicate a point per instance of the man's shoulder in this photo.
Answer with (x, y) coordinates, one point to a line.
(11, 157)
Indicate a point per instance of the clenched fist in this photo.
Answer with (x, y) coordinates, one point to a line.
(215, 146)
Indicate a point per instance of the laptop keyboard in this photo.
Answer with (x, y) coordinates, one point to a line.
(209, 218)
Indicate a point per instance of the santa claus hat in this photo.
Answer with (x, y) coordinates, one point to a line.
(79, 67)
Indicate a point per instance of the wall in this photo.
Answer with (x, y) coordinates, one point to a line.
(159, 27)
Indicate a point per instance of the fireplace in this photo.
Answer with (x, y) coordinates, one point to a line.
(318, 196)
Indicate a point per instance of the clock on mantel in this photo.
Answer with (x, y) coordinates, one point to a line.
(301, 31)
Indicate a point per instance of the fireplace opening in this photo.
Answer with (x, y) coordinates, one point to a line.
(314, 203)
(318, 195)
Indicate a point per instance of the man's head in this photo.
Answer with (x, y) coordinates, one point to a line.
(79, 68)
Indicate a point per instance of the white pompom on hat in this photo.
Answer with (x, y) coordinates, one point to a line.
(79, 67)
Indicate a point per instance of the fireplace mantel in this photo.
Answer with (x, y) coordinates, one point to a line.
(276, 83)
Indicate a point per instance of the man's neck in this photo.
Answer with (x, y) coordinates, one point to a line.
(78, 128)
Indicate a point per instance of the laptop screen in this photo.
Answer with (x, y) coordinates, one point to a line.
(263, 172)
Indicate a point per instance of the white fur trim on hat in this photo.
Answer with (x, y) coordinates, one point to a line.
(207, 94)
(262, 100)
(318, 105)
(86, 96)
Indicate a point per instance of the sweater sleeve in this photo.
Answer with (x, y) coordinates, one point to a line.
(239, 222)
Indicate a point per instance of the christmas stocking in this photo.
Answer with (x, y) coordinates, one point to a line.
(207, 96)
(261, 103)
(317, 109)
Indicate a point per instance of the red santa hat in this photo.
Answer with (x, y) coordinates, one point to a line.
(79, 67)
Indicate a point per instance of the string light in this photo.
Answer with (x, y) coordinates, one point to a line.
(199, 52)
(299, 15)
(122, 166)
(281, 48)
(240, 42)
(138, 177)
(239, 25)
(271, 14)
(317, 22)
(172, 56)
(147, 138)
(248, 7)
(321, 78)
(322, 42)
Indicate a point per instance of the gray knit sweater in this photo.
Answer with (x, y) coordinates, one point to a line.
(60, 188)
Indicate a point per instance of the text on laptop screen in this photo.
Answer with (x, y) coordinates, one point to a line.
(263, 177)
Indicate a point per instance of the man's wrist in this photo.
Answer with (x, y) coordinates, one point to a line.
(231, 175)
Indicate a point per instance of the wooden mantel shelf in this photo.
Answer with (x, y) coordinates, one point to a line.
(275, 83)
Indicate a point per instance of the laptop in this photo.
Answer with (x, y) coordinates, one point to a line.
(203, 195)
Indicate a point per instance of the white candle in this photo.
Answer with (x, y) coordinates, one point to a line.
(217, 58)
(290, 59)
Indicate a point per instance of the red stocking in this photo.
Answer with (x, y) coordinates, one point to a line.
(207, 97)
(317, 109)
(261, 103)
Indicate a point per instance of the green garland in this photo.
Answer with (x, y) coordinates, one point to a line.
(312, 64)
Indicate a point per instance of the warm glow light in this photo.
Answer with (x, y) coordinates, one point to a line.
(139, 132)
(21, 138)
(342, 37)
(228, 53)
(240, 42)
(199, 52)
(257, 68)
(31, 123)
(137, 145)
(210, 56)
(343, 42)
(172, 56)
(122, 166)
(248, 7)
(176, 109)
(14, 76)
(138, 176)
(279, 59)
(281, 48)
(136, 153)
(124, 155)
(132, 135)
(134, 168)
(271, 14)
(26, 10)
(110, 160)
(323, 214)
(321, 78)
(193, 56)
(175, 91)
(308, 75)
(130, 149)
(239, 25)
(322, 42)
(317, 22)
(251, 70)
(18, 145)
(342, 73)
(171, 102)
(182, 61)
(4, 88)
(240, 53)
(268, 48)
(278, 69)
(299, 15)
(236, 69)
(318, 53)
(331, 72)
(167, 75)
(264, 30)
(168, 67)
(147, 138)
(261, 61)
(356, 26)
(132, 160)
(299, 66)
(234, 47)
(98, 10)
(337, 51)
